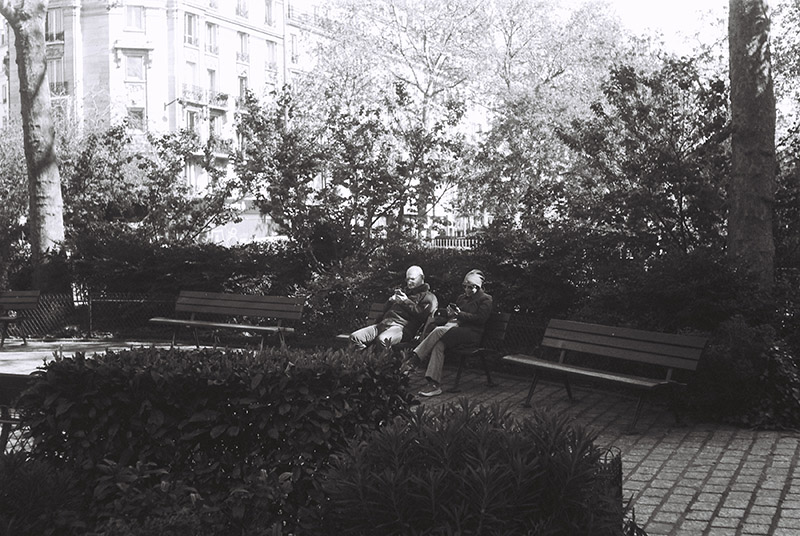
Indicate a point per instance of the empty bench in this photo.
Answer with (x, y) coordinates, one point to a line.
(13, 306)
(239, 312)
(663, 352)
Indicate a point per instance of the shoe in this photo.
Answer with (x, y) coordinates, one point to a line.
(433, 390)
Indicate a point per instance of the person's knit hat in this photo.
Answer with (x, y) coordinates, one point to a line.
(474, 277)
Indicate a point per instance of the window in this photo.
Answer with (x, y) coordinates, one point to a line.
(136, 118)
(134, 18)
(269, 15)
(243, 54)
(54, 25)
(241, 8)
(190, 29)
(242, 86)
(272, 56)
(192, 120)
(134, 67)
(294, 48)
(212, 32)
(212, 80)
(55, 76)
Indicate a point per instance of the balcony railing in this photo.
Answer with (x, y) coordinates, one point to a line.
(54, 36)
(193, 93)
(59, 88)
(217, 99)
(243, 57)
(220, 146)
(212, 48)
(241, 10)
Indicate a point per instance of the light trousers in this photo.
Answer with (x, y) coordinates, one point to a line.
(433, 346)
(387, 336)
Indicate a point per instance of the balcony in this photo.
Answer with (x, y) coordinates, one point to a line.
(241, 10)
(212, 48)
(217, 99)
(59, 89)
(243, 57)
(57, 37)
(219, 146)
(213, 4)
(192, 93)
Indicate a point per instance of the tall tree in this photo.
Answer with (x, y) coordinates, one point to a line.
(753, 164)
(46, 220)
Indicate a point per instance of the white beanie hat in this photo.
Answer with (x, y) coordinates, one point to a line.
(474, 277)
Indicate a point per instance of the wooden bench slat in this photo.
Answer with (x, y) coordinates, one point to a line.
(222, 325)
(634, 381)
(693, 341)
(623, 352)
(649, 346)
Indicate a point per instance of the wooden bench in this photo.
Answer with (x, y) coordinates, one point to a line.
(663, 352)
(16, 301)
(373, 317)
(494, 335)
(240, 307)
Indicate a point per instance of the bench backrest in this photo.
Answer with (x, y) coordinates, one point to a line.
(375, 313)
(250, 305)
(19, 300)
(661, 349)
(494, 332)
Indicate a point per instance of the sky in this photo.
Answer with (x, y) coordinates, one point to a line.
(680, 21)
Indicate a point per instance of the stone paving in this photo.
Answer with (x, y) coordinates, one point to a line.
(696, 478)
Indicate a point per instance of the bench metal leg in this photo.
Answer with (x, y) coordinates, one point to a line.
(535, 379)
(639, 405)
(196, 337)
(4, 334)
(462, 360)
(489, 381)
(568, 388)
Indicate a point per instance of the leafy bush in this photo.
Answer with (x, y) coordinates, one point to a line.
(38, 498)
(210, 421)
(468, 469)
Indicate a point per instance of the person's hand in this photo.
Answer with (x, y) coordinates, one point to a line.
(453, 310)
(399, 295)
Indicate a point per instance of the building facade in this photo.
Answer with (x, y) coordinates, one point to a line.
(167, 65)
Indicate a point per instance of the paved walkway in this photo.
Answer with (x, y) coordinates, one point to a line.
(689, 480)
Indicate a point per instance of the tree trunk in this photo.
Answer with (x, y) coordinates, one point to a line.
(46, 218)
(752, 190)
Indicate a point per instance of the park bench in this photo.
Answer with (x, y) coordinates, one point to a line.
(494, 334)
(11, 386)
(240, 312)
(373, 317)
(13, 305)
(659, 353)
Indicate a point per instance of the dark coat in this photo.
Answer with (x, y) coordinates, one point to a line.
(475, 311)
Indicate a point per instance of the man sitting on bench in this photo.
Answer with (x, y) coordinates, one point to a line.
(466, 319)
(404, 313)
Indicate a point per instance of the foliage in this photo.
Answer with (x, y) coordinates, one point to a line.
(655, 157)
(470, 469)
(117, 262)
(216, 422)
(339, 176)
(39, 498)
(14, 208)
(116, 182)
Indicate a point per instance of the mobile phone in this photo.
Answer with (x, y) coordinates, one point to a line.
(452, 306)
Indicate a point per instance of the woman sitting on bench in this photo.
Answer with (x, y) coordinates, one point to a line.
(465, 320)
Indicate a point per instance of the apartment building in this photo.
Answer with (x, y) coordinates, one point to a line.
(167, 64)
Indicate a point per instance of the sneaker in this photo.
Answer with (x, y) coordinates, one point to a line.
(433, 390)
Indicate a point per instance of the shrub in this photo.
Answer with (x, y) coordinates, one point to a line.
(467, 469)
(212, 421)
(38, 498)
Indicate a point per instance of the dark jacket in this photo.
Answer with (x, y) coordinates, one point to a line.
(410, 315)
(475, 310)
